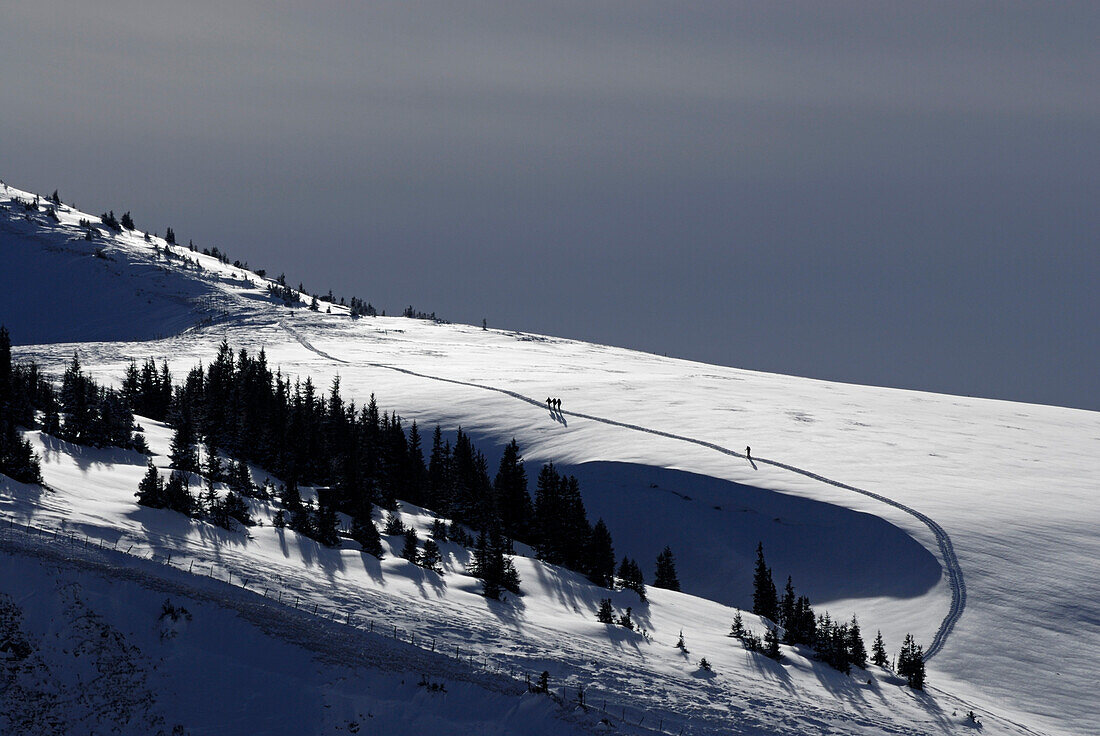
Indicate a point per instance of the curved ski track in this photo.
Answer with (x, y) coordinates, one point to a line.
(947, 550)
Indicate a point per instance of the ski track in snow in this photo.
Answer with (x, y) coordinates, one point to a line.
(947, 551)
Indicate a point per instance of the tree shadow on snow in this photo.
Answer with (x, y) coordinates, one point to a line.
(86, 458)
(713, 526)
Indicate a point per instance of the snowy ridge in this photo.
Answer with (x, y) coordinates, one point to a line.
(1002, 491)
(947, 552)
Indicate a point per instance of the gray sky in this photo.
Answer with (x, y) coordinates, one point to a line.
(901, 194)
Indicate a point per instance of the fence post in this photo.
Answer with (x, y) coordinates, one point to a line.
(190, 566)
(348, 622)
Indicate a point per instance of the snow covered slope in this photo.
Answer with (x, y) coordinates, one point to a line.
(970, 523)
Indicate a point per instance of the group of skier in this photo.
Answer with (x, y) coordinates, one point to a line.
(553, 404)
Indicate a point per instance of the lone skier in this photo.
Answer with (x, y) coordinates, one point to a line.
(748, 452)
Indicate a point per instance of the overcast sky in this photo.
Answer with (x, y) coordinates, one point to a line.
(901, 194)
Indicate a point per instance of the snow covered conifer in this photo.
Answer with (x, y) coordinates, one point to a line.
(625, 620)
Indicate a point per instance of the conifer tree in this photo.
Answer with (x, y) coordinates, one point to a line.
(787, 605)
(510, 489)
(666, 571)
(630, 577)
(76, 405)
(177, 496)
(151, 490)
(431, 558)
(439, 474)
(325, 526)
(803, 627)
(878, 651)
(857, 652)
(394, 525)
(365, 533)
(625, 620)
(764, 598)
(418, 474)
(182, 450)
(18, 460)
(600, 566)
(411, 549)
(737, 628)
(490, 563)
(911, 663)
(771, 644)
(234, 507)
(605, 615)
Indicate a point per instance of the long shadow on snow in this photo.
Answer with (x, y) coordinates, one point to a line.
(713, 526)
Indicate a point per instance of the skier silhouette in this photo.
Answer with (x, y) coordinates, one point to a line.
(557, 404)
(748, 452)
(549, 403)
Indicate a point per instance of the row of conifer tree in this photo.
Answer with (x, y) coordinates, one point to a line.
(837, 643)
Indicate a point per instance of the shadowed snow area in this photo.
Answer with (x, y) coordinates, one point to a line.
(55, 288)
(831, 552)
